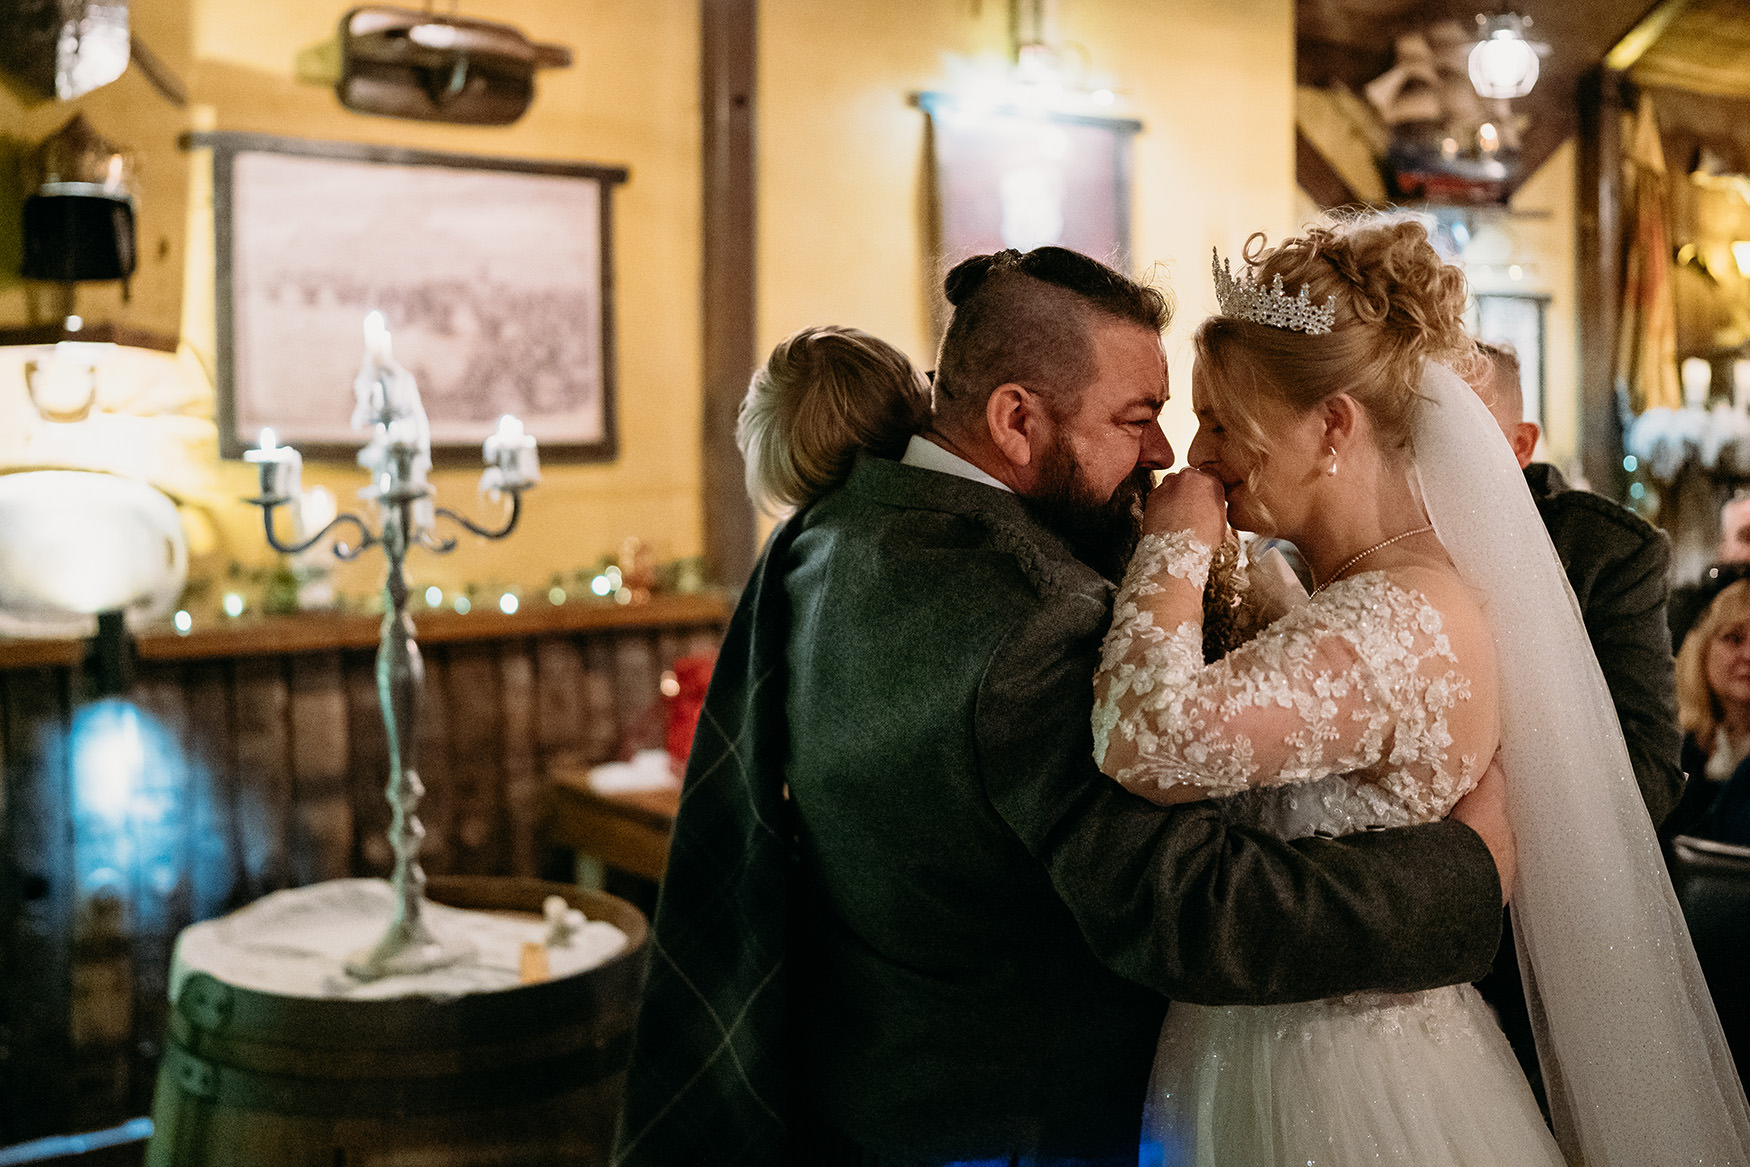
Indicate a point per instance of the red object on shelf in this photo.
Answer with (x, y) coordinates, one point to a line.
(692, 675)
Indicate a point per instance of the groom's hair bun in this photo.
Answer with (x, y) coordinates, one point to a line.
(968, 276)
(1024, 318)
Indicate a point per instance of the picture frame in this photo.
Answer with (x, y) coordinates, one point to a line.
(1011, 177)
(494, 277)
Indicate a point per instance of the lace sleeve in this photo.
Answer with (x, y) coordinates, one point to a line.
(1361, 678)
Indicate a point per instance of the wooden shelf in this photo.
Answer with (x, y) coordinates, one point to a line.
(325, 631)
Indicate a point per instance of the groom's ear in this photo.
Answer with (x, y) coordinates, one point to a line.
(1016, 419)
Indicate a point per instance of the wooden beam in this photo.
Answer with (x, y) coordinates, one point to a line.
(1643, 35)
(727, 79)
(1598, 248)
(1317, 177)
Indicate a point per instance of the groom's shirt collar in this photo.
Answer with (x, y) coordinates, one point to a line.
(927, 455)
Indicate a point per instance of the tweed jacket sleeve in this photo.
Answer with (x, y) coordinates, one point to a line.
(1619, 567)
(1200, 908)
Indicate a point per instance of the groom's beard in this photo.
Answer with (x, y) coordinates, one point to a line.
(1101, 532)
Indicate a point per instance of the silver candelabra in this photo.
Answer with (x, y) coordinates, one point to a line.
(398, 457)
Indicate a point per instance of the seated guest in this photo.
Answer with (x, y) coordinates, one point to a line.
(1731, 564)
(1713, 692)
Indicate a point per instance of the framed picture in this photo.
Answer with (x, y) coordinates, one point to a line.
(494, 276)
(1517, 320)
(1011, 177)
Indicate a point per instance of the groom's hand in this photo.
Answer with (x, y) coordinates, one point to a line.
(1484, 810)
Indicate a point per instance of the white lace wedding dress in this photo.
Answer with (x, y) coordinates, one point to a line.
(1362, 683)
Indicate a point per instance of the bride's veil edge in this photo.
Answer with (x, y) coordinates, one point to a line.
(1635, 1063)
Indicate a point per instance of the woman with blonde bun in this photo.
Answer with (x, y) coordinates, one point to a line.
(1439, 630)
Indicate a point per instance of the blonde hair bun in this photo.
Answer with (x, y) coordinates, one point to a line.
(825, 394)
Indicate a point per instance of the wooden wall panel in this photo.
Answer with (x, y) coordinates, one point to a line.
(209, 747)
(367, 767)
(519, 785)
(264, 792)
(560, 700)
(39, 880)
(162, 892)
(476, 778)
(321, 846)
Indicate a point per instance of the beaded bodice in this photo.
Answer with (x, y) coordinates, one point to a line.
(1342, 706)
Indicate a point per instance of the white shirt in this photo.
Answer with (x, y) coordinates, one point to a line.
(927, 455)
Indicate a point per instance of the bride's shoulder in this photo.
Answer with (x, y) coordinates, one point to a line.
(1439, 587)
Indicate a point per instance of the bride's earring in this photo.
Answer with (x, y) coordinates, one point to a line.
(1332, 469)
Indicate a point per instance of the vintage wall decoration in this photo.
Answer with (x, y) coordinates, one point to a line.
(1011, 176)
(495, 275)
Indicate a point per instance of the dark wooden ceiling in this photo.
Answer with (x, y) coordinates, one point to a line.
(1350, 41)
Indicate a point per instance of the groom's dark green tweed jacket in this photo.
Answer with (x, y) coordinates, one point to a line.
(982, 929)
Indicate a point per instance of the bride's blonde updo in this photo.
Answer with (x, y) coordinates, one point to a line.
(1397, 305)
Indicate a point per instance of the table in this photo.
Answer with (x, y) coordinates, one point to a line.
(627, 831)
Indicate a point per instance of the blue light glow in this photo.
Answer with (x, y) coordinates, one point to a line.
(109, 756)
(1630, 463)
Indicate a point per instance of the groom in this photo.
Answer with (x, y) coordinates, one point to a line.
(949, 937)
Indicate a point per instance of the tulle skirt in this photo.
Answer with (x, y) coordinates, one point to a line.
(1420, 1078)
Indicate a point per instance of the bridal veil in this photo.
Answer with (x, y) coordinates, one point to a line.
(1636, 1067)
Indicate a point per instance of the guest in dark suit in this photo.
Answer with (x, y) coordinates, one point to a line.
(1619, 567)
(906, 921)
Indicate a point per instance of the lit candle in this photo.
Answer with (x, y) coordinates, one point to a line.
(377, 345)
(512, 461)
(282, 467)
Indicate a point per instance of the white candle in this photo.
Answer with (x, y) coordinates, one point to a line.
(378, 347)
(282, 467)
(512, 458)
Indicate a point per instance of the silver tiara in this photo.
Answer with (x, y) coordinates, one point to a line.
(1246, 300)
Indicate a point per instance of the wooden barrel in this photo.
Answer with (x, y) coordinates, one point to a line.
(526, 1076)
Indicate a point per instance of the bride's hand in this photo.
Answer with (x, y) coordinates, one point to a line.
(1188, 500)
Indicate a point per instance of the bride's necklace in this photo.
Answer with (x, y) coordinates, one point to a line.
(1359, 556)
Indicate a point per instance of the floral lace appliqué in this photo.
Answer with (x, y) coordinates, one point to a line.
(1177, 555)
(1358, 683)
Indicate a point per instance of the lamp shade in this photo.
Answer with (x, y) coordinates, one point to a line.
(75, 543)
(1503, 64)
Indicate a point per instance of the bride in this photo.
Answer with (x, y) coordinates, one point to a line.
(1440, 627)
